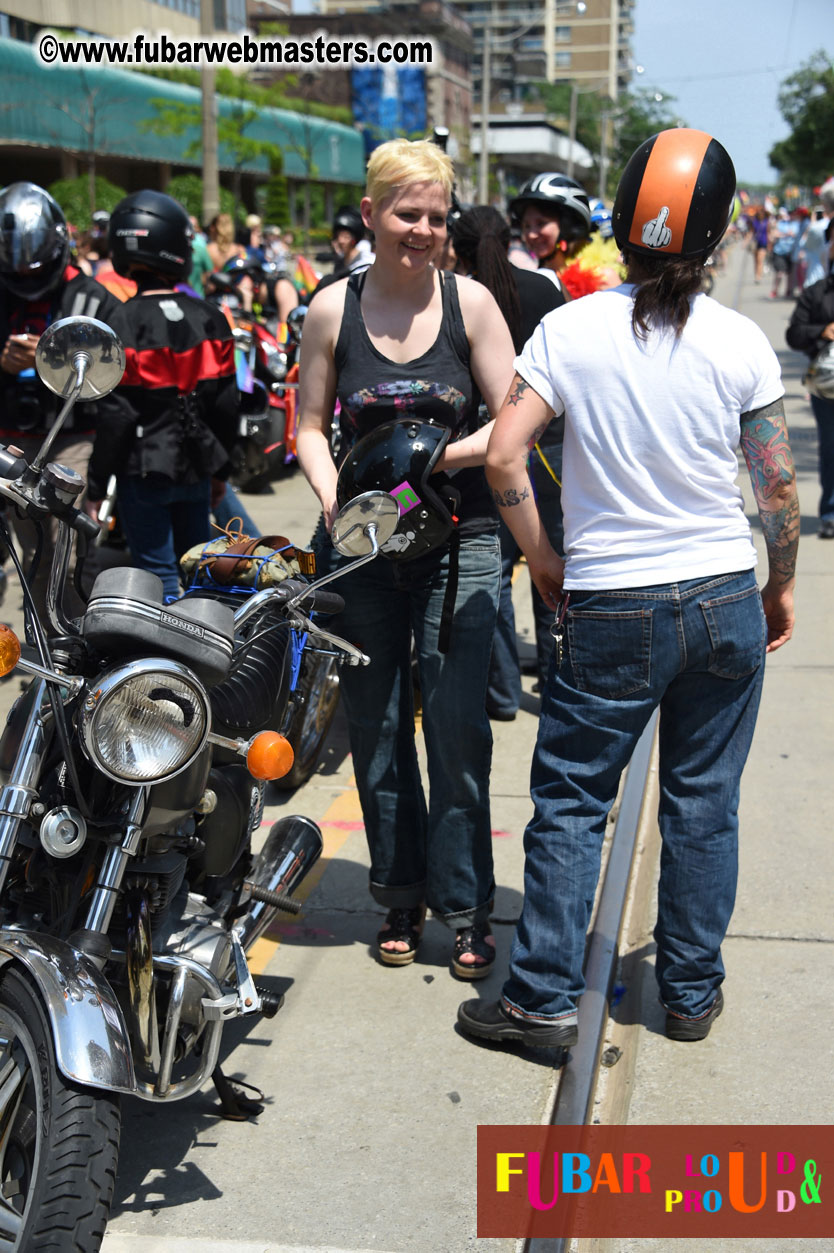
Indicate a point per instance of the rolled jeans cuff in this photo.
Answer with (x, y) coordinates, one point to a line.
(518, 1011)
(404, 896)
(466, 917)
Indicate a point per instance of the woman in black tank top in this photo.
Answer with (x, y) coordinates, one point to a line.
(402, 341)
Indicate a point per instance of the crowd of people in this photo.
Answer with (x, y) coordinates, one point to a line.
(533, 384)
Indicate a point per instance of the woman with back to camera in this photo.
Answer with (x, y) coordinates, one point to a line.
(659, 384)
(403, 341)
(481, 238)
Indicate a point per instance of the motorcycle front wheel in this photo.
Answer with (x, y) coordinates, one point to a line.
(59, 1144)
(317, 698)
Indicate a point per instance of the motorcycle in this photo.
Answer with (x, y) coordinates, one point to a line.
(267, 377)
(131, 781)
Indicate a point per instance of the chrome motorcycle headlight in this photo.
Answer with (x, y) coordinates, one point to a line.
(145, 721)
(275, 361)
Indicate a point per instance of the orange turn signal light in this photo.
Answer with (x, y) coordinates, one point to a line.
(269, 756)
(9, 650)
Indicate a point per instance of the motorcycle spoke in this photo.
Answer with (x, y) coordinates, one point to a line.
(14, 1074)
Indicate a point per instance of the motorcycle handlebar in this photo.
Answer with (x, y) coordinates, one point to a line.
(323, 601)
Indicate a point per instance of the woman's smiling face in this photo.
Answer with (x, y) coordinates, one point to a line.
(540, 232)
(409, 225)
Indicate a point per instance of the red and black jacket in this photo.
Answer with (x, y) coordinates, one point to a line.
(180, 391)
(26, 406)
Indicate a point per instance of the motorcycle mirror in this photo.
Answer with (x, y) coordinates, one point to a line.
(81, 351)
(365, 524)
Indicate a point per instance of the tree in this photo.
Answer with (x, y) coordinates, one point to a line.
(188, 190)
(276, 202)
(806, 102)
(556, 100)
(638, 115)
(177, 118)
(74, 197)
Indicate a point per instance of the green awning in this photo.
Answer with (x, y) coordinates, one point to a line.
(79, 108)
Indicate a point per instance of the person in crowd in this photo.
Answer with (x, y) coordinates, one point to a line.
(221, 245)
(404, 341)
(796, 280)
(816, 245)
(759, 241)
(179, 391)
(254, 239)
(517, 253)
(481, 238)
(811, 328)
(201, 262)
(275, 249)
(352, 250)
(38, 286)
(657, 595)
(782, 245)
(554, 215)
(118, 286)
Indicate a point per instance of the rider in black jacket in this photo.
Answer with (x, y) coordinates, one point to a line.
(180, 388)
(38, 286)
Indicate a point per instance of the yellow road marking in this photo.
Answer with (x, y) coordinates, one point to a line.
(342, 817)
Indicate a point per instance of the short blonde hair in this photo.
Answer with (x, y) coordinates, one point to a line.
(401, 162)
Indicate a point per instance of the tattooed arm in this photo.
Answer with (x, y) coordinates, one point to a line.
(764, 442)
(520, 422)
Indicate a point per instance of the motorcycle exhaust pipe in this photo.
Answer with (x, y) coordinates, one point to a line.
(292, 848)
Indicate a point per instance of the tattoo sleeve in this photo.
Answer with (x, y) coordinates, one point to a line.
(767, 451)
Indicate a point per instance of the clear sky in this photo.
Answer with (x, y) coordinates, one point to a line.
(724, 61)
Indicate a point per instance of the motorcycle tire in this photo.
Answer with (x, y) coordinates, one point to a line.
(317, 698)
(59, 1144)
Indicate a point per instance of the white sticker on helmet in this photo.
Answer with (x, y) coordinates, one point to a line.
(655, 233)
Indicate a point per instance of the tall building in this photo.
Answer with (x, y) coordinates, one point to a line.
(586, 43)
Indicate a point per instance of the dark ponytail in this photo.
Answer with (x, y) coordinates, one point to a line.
(481, 237)
(665, 286)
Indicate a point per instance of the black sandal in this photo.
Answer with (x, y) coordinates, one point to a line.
(473, 940)
(406, 927)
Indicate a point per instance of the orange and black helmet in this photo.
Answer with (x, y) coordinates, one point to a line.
(675, 197)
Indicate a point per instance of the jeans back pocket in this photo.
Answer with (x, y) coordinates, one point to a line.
(610, 650)
(737, 632)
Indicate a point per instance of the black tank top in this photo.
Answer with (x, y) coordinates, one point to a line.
(438, 385)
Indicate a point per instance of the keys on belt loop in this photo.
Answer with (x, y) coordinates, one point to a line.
(557, 629)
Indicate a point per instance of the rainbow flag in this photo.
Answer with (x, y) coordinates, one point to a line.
(305, 278)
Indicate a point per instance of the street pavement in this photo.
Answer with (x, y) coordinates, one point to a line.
(367, 1141)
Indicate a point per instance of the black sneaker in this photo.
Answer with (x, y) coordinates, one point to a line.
(489, 1020)
(684, 1029)
(826, 530)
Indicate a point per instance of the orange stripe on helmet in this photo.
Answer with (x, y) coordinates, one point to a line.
(666, 190)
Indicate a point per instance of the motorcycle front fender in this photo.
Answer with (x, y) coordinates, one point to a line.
(88, 1028)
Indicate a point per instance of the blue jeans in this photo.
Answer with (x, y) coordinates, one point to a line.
(824, 416)
(697, 650)
(161, 520)
(440, 852)
(504, 688)
(230, 507)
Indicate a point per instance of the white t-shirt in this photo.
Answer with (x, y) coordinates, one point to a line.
(649, 488)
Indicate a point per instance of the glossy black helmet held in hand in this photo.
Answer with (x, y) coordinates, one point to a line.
(34, 241)
(152, 231)
(398, 458)
(676, 196)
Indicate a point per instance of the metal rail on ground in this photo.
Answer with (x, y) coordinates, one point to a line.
(575, 1097)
